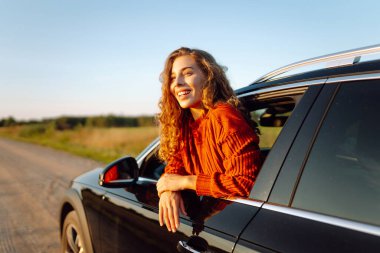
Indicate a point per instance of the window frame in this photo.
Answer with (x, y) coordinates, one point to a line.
(338, 87)
(273, 163)
(309, 137)
(309, 214)
(291, 169)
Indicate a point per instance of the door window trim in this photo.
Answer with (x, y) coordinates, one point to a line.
(335, 221)
(147, 151)
(286, 182)
(272, 165)
(364, 77)
(270, 89)
(344, 80)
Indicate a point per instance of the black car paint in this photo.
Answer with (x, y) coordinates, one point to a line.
(133, 211)
(275, 159)
(282, 191)
(281, 232)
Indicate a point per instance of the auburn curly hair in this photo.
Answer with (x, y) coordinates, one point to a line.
(173, 119)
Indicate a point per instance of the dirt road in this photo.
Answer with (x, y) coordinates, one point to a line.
(32, 182)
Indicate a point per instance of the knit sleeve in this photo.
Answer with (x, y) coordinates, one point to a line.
(241, 161)
(175, 165)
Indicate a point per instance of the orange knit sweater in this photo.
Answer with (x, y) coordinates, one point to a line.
(221, 149)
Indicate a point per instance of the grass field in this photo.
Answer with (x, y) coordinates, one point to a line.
(101, 144)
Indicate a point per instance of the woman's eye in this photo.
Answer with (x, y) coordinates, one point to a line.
(188, 73)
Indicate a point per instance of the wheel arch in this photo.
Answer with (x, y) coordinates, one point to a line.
(72, 202)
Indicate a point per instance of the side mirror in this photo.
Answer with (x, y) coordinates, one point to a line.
(121, 173)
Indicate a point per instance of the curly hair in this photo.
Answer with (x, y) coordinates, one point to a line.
(173, 119)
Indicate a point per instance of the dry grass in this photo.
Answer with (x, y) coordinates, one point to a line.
(102, 144)
(268, 136)
(123, 140)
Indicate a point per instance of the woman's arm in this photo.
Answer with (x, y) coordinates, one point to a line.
(241, 162)
(170, 205)
(168, 187)
(174, 182)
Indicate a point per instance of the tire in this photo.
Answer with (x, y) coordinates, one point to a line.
(72, 235)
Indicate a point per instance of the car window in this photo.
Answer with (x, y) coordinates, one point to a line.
(342, 174)
(270, 122)
(270, 116)
(152, 166)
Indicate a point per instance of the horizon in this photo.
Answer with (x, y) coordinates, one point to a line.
(104, 58)
(77, 116)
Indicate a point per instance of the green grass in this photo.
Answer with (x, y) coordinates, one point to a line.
(268, 136)
(101, 144)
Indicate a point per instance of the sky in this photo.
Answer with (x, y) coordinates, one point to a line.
(97, 57)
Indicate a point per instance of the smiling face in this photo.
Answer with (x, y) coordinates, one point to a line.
(187, 80)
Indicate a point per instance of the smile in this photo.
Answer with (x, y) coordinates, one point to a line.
(183, 93)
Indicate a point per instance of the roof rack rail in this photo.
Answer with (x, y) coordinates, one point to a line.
(355, 54)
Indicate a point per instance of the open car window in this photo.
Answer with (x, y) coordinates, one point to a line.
(270, 114)
(152, 167)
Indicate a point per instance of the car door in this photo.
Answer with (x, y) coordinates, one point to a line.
(129, 217)
(327, 195)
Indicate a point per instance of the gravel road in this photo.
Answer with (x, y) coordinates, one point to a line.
(32, 182)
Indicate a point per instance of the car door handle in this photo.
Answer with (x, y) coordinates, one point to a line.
(195, 244)
(184, 248)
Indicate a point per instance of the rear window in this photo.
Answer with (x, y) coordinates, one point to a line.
(342, 174)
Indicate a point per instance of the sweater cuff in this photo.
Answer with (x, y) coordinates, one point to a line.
(203, 185)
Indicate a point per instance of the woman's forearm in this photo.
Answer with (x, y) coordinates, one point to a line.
(190, 182)
(173, 182)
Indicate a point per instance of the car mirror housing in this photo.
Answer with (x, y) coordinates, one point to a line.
(121, 173)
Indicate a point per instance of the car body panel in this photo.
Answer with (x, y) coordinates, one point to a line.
(134, 210)
(72, 201)
(281, 231)
(289, 172)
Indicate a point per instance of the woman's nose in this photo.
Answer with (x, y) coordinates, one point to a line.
(179, 80)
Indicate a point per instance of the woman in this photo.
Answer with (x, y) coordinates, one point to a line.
(207, 140)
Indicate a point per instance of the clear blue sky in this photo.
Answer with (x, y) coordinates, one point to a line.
(77, 57)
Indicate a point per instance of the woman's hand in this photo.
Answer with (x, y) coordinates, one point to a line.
(171, 203)
(174, 182)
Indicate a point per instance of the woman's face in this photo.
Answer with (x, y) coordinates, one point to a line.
(187, 81)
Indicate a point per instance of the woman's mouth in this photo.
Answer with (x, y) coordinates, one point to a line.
(183, 93)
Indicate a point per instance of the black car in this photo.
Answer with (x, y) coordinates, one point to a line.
(318, 189)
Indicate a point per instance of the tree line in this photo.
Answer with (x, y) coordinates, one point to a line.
(71, 122)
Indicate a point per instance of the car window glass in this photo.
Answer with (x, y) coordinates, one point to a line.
(269, 132)
(342, 174)
(270, 117)
(152, 167)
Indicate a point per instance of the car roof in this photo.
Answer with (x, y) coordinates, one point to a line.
(355, 67)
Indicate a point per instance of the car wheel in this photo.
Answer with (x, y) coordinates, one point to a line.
(72, 235)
